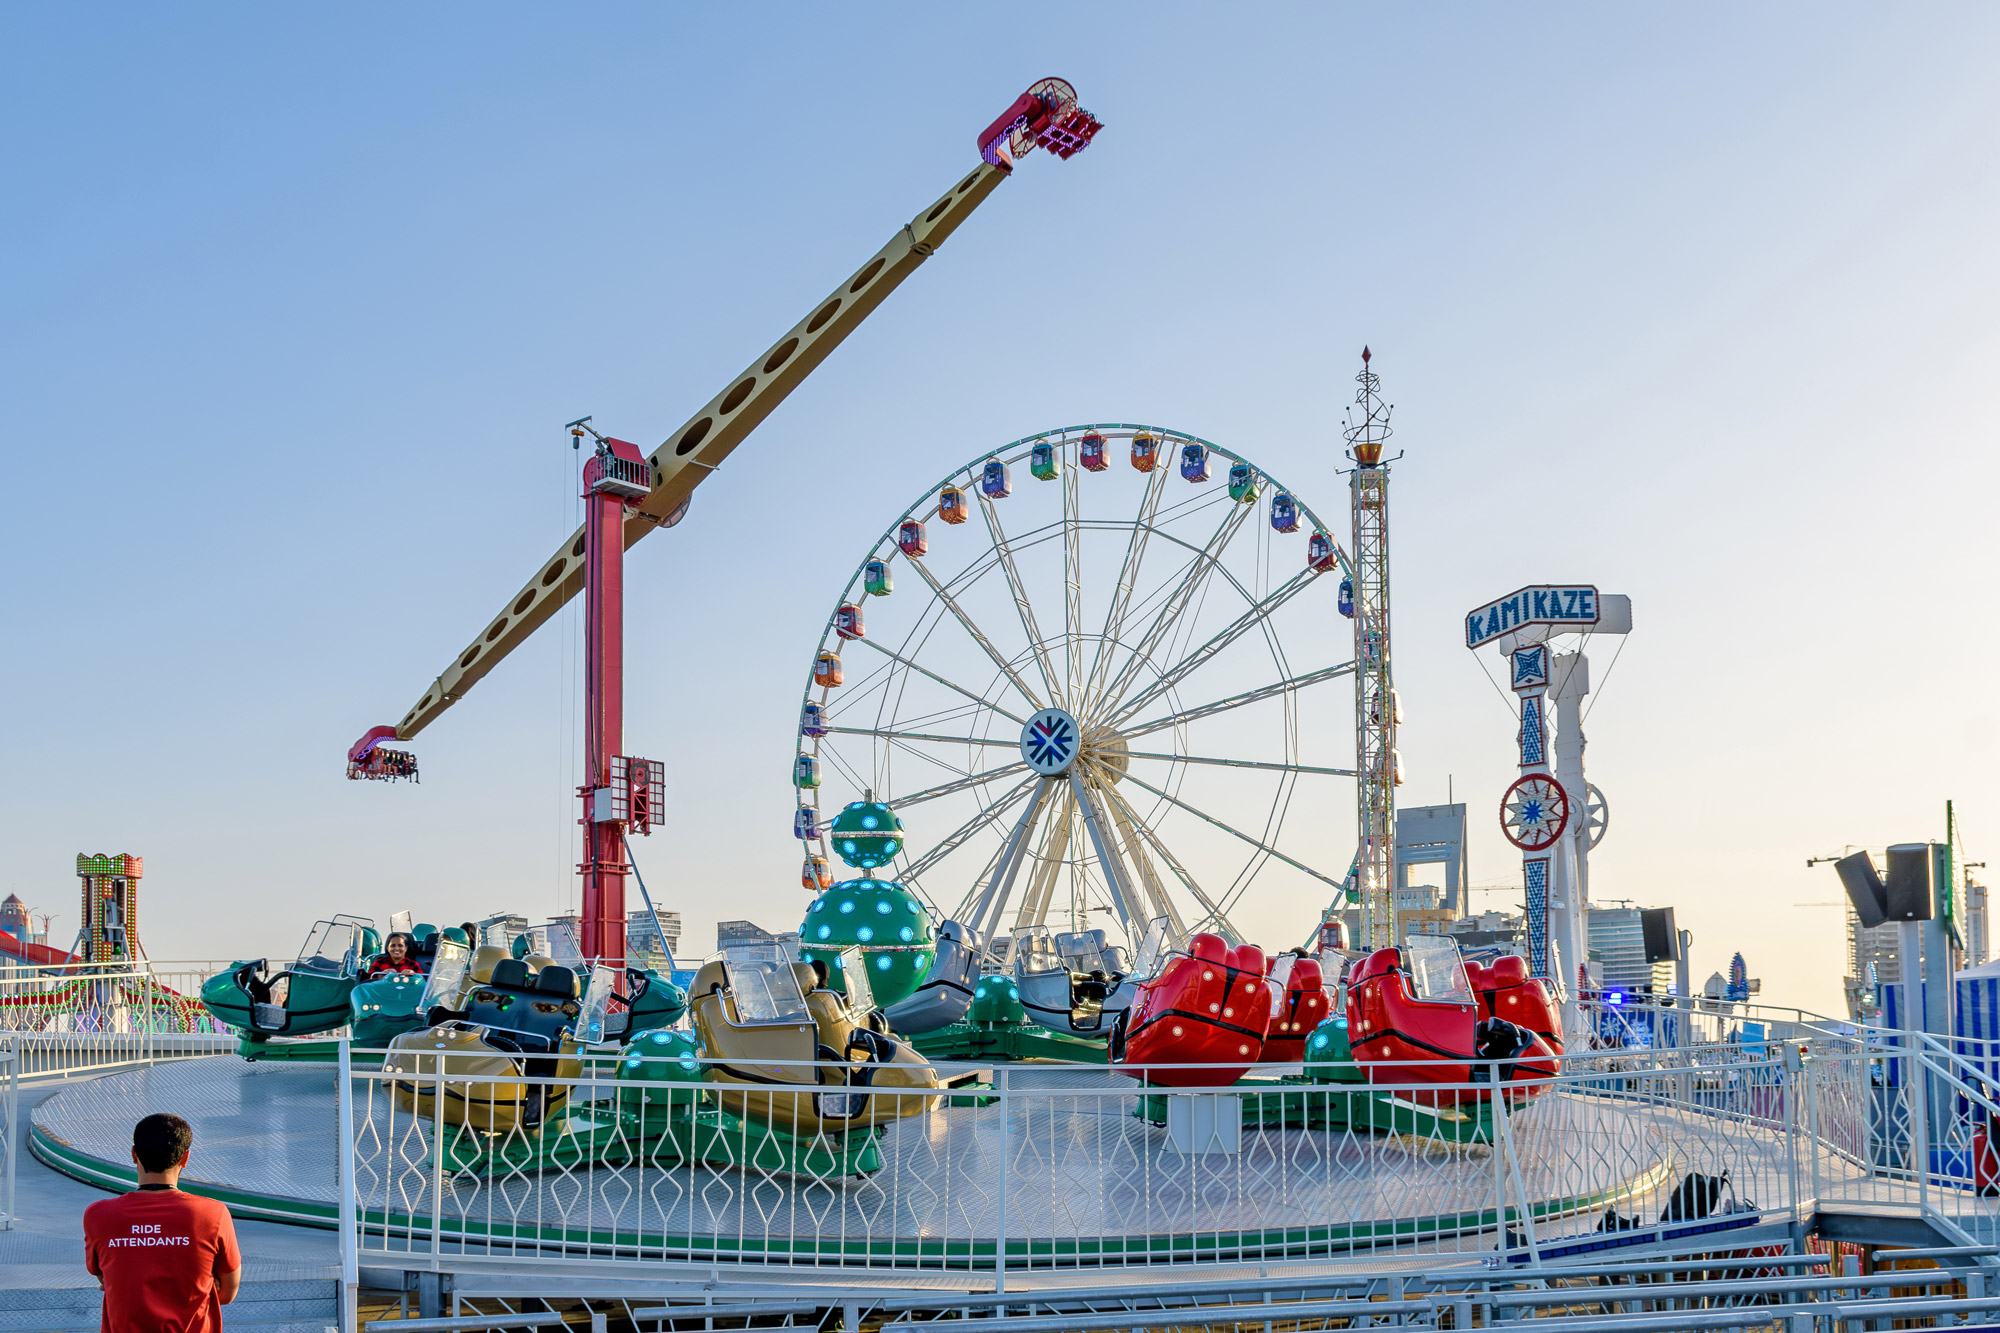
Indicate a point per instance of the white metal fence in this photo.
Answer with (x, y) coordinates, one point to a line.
(1073, 1168)
(65, 1021)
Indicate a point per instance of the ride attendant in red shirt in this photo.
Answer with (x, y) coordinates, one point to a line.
(395, 957)
(167, 1261)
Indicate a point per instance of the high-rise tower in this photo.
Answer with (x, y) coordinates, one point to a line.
(1375, 706)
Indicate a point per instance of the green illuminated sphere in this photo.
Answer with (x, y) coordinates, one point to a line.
(1329, 1056)
(996, 1003)
(882, 919)
(866, 834)
(657, 1068)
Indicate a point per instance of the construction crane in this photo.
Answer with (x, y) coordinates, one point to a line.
(629, 493)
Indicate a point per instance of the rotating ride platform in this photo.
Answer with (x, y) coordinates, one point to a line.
(1090, 1178)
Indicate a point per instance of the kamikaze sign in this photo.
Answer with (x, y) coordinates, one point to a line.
(1568, 605)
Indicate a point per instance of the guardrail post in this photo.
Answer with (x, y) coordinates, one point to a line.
(350, 1240)
(437, 1165)
(1000, 1085)
(1920, 1125)
(1811, 1080)
(13, 1121)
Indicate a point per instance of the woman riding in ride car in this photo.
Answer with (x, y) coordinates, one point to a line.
(395, 957)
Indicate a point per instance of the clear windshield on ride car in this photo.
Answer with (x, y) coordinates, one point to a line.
(447, 971)
(764, 986)
(332, 946)
(596, 1005)
(854, 976)
(1153, 949)
(1437, 974)
(1035, 951)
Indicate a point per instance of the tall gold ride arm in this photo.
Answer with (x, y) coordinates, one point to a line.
(698, 448)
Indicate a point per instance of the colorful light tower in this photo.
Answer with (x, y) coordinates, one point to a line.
(1377, 764)
(110, 931)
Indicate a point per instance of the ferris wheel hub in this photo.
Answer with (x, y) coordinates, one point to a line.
(1050, 741)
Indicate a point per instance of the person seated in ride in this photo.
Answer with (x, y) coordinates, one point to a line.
(395, 957)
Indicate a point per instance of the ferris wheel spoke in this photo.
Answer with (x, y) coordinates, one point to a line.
(1236, 832)
(1019, 592)
(1116, 876)
(1243, 763)
(1236, 629)
(978, 635)
(1190, 584)
(1128, 576)
(951, 842)
(1072, 585)
(1049, 861)
(925, 671)
(983, 915)
(1161, 904)
(1215, 913)
(920, 736)
(960, 784)
(1239, 700)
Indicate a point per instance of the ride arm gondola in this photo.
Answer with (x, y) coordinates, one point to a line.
(1047, 115)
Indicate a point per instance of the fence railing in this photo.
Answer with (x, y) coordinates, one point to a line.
(77, 1019)
(10, 1129)
(1049, 1167)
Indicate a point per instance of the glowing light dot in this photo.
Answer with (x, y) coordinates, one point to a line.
(883, 962)
(1208, 976)
(1243, 1050)
(906, 934)
(1177, 1030)
(847, 906)
(866, 932)
(825, 931)
(885, 907)
(1215, 1008)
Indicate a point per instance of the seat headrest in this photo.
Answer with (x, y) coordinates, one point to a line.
(1477, 975)
(1510, 970)
(1209, 948)
(510, 972)
(557, 980)
(484, 961)
(1248, 958)
(1307, 976)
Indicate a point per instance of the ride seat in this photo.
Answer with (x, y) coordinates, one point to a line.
(557, 980)
(484, 961)
(1248, 958)
(510, 974)
(1508, 970)
(1209, 948)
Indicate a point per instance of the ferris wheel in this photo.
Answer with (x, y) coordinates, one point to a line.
(1062, 667)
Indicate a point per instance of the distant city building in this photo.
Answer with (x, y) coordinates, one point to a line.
(1618, 946)
(1880, 945)
(1423, 909)
(15, 920)
(642, 941)
(1975, 922)
(740, 932)
(1499, 931)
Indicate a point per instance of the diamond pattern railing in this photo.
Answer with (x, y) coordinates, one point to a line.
(1062, 1167)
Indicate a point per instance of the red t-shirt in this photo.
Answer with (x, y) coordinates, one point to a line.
(158, 1252)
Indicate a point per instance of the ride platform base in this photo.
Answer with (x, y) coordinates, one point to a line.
(601, 1135)
(298, 1050)
(1291, 1102)
(1018, 1041)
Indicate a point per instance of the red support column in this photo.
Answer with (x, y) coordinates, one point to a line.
(604, 867)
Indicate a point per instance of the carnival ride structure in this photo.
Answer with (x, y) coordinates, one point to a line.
(1078, 686)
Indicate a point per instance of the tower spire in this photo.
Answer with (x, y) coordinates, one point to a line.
(1375, 707)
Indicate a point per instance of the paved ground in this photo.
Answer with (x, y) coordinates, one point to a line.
(45, 1248)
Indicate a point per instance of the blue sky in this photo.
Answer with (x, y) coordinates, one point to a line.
(1695, 303)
